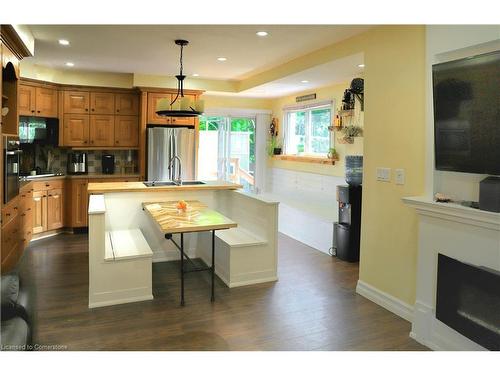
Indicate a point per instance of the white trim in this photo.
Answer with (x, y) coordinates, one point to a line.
(120, 301)
(385, 300)
(310, 105)
(235, 112)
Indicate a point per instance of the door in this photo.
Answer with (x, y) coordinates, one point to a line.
(127, 104)
(79, 203)
(102, 130)
(54, 209)
(26, 100)
(126, 131)
(46, 102)
(102, 103)
(76, 130)
(39, 211)
(153, 99)
(184, 148)
(160, 152)
(76, 102)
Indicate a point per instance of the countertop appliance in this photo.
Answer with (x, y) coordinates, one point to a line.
(347, 231)
(108, 164)
(12, 152)
(77, 162)
(163, 144)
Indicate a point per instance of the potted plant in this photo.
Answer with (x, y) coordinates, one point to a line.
(350, 132)
(332, 153)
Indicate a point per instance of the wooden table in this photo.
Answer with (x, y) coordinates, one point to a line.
(196, 218)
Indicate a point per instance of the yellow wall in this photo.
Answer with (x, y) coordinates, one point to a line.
(212, 101)
(335, 93)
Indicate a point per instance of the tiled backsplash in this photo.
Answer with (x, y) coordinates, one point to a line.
(59, 158)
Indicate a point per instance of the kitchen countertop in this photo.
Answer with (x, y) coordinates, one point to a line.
(115, 187)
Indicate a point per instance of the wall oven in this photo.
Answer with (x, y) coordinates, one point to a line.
(12, 152)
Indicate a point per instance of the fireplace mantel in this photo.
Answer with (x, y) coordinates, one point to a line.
(455, 212)
(466, 234)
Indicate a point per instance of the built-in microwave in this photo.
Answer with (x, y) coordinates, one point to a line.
(38, 130)
(11, 168)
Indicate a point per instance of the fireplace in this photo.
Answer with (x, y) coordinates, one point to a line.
(468, 300)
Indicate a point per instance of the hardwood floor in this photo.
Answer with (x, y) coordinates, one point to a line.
(313, 306)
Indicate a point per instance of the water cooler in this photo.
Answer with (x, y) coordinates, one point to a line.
(347, 231)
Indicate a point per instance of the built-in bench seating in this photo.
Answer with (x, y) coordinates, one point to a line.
(246, 254)
(120, 261)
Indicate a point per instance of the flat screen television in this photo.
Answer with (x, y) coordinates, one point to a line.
(467, 114)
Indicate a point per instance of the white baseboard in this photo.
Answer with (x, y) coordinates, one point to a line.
(385, 300)
(120, 301)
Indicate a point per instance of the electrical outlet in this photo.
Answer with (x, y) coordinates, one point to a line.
(399, 176)
(384, 174)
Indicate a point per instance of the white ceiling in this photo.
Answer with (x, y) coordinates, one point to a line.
(151, 50)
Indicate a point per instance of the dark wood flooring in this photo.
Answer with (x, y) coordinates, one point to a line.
(313, 306)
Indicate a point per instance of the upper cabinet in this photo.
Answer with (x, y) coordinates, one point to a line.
(76, 102)
(37, 101)
(153, 118)
(102, 103)
(127, 104)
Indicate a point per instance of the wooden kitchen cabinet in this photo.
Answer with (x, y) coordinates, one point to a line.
(78, 203)
(37, 101)
(26, 214)
(76, 130)
(76, 102)
(55, 211)
(127, 104)
(102, 130)
(153, 118)
(11, 249)
(39, 218)
(102, 103)
(126, 131)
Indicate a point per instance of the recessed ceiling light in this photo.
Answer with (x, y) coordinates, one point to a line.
(196, 75)
(361, 65)
(304, 81)
(70, 64)
(64, 42)
(261, 33)
(221, 59)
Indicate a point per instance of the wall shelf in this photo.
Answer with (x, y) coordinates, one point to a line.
(306, 159)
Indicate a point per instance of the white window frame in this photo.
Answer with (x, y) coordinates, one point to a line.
(307, 108)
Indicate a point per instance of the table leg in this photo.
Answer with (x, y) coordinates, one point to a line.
(213, 265)
(182, 269)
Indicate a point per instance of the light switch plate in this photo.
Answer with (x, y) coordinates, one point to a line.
(384, 174)
(399, 176)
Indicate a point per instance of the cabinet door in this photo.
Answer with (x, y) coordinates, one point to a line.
(183, 120)
(39, 211)
(126, 131)
(76, 102)
(102, 131)
(79, 203)
(76, 130)
(153, 99)
(127, 104)
(46, 102)
(102, 103)
(54, 209)
(26, 100)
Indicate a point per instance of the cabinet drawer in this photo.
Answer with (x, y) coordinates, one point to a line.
(10, 237)
(48, 185)
(10, 211)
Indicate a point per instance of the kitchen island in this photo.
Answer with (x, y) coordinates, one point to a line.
(124, 241)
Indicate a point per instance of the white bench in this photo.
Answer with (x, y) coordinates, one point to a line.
(246, 254)
(120, 261)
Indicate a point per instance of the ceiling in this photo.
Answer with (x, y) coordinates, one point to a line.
(150, 49)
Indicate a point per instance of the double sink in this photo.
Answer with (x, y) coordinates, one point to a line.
(172, 183)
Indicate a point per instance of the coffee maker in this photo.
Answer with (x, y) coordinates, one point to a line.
(77, 162)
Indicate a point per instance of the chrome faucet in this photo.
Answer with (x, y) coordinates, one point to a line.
(177, 179)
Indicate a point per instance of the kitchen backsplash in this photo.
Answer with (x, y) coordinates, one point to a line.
(126, 161)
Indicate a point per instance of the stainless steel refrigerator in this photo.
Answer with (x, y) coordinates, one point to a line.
(163, 144)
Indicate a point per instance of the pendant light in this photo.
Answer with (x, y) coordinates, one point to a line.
(166, 109)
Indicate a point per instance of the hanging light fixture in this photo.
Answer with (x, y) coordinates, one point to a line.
(183, 108)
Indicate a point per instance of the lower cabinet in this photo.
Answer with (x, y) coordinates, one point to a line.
(78, 207)
(39, 211)
(48, 210)
(55, 209)
(11, 235)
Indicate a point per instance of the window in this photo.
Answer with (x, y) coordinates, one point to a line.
(306, 130)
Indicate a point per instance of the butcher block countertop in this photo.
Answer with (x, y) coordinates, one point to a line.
(117, 187)
(197, 217)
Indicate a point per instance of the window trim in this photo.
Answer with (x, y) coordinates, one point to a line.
(307, 108)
